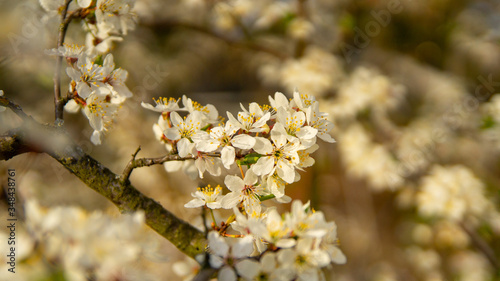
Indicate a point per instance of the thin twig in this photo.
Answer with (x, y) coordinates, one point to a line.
(5, 102)
(65, 20)
(56, 142)
(481, 245)
(301, 44)
(144, 162)
(241, 44)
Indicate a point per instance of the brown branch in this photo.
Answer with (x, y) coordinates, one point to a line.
(66, 18)
(168, 24)
(481, 245)
(144, 162)
(5, 102)
(301, 44)
(11, 145)
(55, 142)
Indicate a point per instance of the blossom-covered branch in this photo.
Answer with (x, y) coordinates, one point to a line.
(35, 137)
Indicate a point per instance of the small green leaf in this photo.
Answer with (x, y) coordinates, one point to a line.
(488, 122)
(249, 159)
(265, 197)
(99, 60)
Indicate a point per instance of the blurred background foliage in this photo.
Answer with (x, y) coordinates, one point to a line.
(413, 180)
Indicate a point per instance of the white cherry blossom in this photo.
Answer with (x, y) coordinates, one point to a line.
(280, 155)
(207, 196)
(163, 105)
(243, 190)
(223, 138)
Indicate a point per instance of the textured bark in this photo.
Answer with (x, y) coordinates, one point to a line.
(56, 143)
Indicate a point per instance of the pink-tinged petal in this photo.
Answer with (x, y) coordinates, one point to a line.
(227, 156)
(285, 171)
(263, 146)
(243, 141)
(230, 200)
(234, 183)
(264, 166)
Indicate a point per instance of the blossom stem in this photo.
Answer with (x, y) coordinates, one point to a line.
(65, 20)
(241, 170)
(213, 217)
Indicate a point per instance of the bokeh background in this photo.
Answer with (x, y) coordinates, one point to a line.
(413, 181)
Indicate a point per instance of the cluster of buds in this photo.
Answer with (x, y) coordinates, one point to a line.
(269, 144)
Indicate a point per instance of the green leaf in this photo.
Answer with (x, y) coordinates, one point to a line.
(488, 122)
(249, 159)
(265, 197)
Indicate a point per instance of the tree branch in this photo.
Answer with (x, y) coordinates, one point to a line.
(54, 141)
(481, 245)
(165, 24)
(144, 162)
(59, 102)
(5, 102)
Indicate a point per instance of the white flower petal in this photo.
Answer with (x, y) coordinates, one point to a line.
(230, 200)
(234, 183)
(263, 146)
(227, 156)
(243, 141)
(264, 166)
(248, 269)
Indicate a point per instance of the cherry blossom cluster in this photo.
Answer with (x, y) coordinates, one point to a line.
(269, 144)
(105, 21)
(97, 87)
(274, 141)
(294, 246)
(86, 243)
